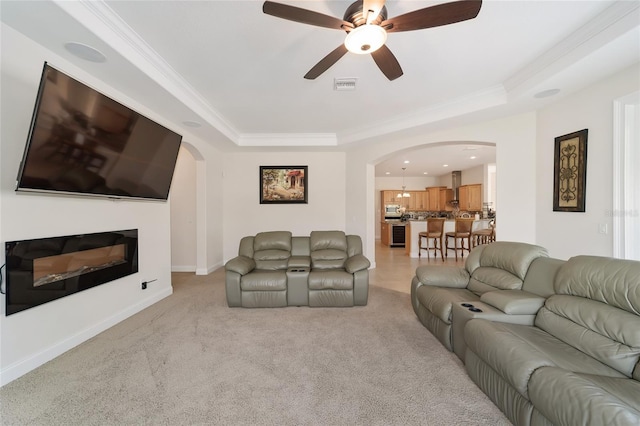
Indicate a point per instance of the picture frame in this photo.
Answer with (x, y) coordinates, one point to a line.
(570, 172)
(284, 184)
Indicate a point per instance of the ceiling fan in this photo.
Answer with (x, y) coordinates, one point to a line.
(366, 24)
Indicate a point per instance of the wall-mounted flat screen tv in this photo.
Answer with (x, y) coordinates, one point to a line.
(83, 142)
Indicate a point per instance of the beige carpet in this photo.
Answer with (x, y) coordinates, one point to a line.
(191, 360)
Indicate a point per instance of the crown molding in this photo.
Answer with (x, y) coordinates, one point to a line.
(288, 139)
(614, 21)
(487, 98)
(100, 19)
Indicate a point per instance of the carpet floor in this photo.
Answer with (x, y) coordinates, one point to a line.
(191, 360)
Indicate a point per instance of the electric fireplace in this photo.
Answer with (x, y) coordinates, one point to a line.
(46, 269)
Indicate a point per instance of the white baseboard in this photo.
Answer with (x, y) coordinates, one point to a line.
(22, 367)
(210, 269)
(184, 268)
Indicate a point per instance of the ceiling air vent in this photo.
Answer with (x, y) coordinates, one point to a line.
(344, 84)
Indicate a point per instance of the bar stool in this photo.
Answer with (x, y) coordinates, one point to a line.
(435, 228)
(462, 232)
(484, 236)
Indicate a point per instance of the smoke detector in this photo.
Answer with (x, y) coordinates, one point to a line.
(342, 84)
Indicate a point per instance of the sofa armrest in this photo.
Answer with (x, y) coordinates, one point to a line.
(356, 263)
(443, 276)
(241, 265)
(514, 302)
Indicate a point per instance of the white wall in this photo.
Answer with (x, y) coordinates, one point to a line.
(183, 214)
(243, 214)
(568, 234)
(34, 336)
(515, 159)
(473, 175)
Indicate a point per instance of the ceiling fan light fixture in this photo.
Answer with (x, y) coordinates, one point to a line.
(365, 39)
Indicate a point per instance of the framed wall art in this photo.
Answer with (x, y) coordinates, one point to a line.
(570, 172)
(283, 184)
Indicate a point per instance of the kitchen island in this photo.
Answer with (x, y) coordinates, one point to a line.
(414, 227)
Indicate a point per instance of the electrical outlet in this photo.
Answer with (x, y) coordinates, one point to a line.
(603, 228)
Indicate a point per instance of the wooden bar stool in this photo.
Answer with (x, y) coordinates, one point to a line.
(462, 232)
(435, 228)
(484, 236)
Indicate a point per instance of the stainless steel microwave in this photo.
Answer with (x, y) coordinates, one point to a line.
(392, 210)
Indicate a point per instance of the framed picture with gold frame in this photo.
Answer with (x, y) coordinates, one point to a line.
(570, 172)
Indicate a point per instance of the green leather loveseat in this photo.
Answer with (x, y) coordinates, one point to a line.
(276, 269)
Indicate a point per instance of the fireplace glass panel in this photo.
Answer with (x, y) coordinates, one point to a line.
(42, 270)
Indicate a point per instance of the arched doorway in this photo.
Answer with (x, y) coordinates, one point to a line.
(432, 164)
(188, 214)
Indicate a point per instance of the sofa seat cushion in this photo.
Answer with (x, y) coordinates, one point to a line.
(439, 300)
(515, 352)
(331, 279)
(568, 398)
(260, 280)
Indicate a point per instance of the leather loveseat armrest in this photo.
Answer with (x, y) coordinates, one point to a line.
(356, 263)
(443, 276)
(514, 302)
(241, 265)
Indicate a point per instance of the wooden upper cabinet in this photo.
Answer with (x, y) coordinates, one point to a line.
(470, 197)
(389, 197)
(446, 195)
(434, 198)
(416, 201)
(425, 200)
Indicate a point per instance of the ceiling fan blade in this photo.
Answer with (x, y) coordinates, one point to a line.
(326, 62)
(434, 16)
(375, 6)
(304, 16)
(387, 63)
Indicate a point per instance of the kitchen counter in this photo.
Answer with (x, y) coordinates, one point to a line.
(417, 226)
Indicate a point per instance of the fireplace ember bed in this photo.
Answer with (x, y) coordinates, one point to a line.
(46, 269)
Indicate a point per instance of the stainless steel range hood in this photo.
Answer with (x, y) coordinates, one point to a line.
(456, 178)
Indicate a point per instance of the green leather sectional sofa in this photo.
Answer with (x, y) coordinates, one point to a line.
(550, 342)
(276, 269)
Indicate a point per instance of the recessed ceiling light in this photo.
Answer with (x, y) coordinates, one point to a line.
(473, 157)
(546, 93)
(387, 173)
(85, 52)
(425, 173)
(406, 161)
(189, 123)
(445, 165)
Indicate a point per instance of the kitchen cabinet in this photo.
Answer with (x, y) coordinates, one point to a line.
(446, 195)
(416, 201)
(470, 197)
(384, 233)
(393, 234)
(434, 198)
(389, 197)
(419, 200)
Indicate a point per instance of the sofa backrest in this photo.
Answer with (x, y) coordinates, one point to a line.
(541, 276)
(270, 250)
(596, 309)
(501, 265)
(329, 249)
